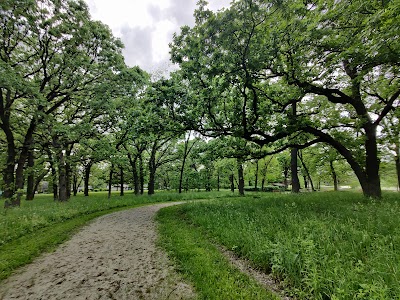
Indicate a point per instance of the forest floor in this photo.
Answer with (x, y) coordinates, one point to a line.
(113, 257)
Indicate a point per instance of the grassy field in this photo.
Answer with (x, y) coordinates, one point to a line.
(320, 246)
(40, 225)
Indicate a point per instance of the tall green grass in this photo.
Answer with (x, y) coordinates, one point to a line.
(200, 261)
(321, 246)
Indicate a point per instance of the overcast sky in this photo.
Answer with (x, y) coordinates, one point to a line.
(146, 26)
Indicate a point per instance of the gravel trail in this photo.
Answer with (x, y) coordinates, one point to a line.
(113, 257)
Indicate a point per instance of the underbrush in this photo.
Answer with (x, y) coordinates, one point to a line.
(320, 245)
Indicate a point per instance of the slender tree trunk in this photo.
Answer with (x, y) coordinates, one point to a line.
(308, 175)
(262, 184)
(88, 167)
(136, 182)
(181, 171)
(232, 183)
(218, 181)
(23, 156)
(152, 176)
(30, 188)
(68, 178)
(39, 179)
(286, 175)
(62, 179)
(334, 176)
(256, 176)
(141, 174)
(240, 177)
(294, 171)
(110, 181)
(397, 162)
(121, 180)
(305, 182)
(55, 185)
(75, 184)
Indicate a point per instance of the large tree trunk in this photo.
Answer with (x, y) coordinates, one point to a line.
(8, 170)
(30, 186)
(372, 186)
(88, 167)
(240, 177)
(368, 178)
(294, 171)
(152, 169)
(152, 176)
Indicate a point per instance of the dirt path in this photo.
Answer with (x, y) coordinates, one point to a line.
(114, 257)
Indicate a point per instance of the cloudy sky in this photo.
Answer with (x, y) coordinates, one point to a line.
(146, 26)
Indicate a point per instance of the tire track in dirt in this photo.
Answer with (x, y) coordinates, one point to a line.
(113, 257)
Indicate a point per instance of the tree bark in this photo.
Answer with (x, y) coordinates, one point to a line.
(294, 171)
(181, 171)
(397, 162)
(23, 156)
(368, 178)
(75, 184)
(62, 178)
(240, 177)
(256, 176)
(110, 181)
(152, 176)
(308, 175)
(121, 181)
(141, 174)
(30, 188)
(334, 176)
(88, 167)
(232, 183)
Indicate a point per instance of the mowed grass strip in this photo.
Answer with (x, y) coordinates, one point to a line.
(201, 263)
(40, 225)
(320, 246)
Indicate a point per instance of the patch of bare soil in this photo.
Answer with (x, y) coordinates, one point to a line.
(114, 257)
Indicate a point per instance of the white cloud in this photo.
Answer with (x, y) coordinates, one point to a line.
(146, 27)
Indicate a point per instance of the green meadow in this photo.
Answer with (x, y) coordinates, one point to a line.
(318, 246)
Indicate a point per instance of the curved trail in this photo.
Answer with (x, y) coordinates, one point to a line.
(114, 257)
